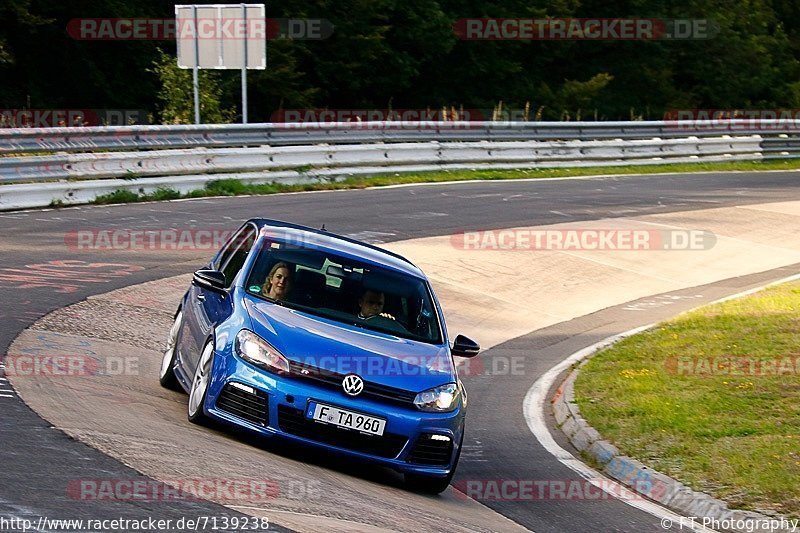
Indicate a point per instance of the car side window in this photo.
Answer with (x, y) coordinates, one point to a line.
(230, 247)
(233, 260)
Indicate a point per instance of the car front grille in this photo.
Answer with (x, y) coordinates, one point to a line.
(293, 421)
(429, 451)
(245, 402)
(333, 381)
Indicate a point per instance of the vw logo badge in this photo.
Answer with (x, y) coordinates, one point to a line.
(352, 385)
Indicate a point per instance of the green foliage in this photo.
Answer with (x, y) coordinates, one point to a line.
(576, 96)
(709, 397)
(405, 55)
(226, 187)
(18, 12)
(124, 196)
(177, 94)
(164, 193)
(120, 196)
(5, 55)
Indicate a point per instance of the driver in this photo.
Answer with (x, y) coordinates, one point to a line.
(370, 304)
(278, 282)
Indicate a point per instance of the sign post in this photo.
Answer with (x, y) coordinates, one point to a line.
(221, 36)
(244, 66)
(196, 70)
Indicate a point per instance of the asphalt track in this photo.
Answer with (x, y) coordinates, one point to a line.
(40, 273)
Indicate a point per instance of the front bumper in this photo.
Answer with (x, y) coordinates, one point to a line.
(272, 405)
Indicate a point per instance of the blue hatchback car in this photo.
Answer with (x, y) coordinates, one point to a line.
(321, 339)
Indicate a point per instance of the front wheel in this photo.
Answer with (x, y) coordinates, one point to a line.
(202, 378)
(167, 376)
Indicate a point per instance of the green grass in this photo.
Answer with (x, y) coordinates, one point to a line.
(733, 434)
(122, 196)
(164, 193)
(228, 187)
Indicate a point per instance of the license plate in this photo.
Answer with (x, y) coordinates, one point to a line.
(345, 419)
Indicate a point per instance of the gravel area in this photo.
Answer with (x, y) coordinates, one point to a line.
(141, 327)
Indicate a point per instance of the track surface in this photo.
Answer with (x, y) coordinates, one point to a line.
(38, 462)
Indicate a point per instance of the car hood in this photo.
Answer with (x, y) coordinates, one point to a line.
(344, 349)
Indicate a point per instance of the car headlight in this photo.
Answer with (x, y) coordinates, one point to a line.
(257, 351)
(438, 399)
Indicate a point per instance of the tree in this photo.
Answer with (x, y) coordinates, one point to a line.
(177, 94)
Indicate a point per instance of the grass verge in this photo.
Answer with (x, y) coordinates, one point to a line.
(711, 398)
(230, 187)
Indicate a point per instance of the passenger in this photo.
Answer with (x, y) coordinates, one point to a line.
(370, 304)
(279, 282)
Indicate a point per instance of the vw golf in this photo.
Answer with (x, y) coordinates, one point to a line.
(324, 340)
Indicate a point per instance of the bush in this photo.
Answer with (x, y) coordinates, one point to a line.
(177, 94)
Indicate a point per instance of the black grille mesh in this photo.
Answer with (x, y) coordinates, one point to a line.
(252, 406)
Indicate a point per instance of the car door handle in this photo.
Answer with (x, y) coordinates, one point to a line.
(201, 297)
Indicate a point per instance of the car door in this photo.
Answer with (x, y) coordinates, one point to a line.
(205, 308)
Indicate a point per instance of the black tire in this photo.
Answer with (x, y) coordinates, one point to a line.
(199, 388)
(167, 376)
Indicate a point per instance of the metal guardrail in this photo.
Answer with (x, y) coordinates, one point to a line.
(33, 140)
(73, 165)
(132, 165)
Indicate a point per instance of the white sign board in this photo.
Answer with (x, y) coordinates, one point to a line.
(222, 36)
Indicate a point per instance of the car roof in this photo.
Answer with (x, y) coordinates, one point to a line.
(323, 239)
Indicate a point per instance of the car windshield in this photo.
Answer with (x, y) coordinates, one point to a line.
(338, 288)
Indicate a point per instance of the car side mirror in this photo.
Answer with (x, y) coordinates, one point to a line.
(210, 279)
(465, 347)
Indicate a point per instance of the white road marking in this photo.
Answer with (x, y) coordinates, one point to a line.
(422, 214)
(473, 196)
(748, 292)
(533, 408)
(6, 395)
(473, 453)
(658, 301)
(526, 196)
(561, 213)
